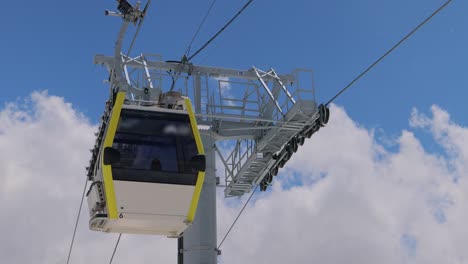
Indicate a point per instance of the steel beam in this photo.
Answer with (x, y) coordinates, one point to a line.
(192, 69)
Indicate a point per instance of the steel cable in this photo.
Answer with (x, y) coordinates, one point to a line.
(77, 219)
(186, 58)
(220, 31)
(115, 248)
(237, 218)
(389, 51)
(199, 27)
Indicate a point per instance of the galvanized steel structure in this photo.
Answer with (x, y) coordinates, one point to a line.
(264, 116)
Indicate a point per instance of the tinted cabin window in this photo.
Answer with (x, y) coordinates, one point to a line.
(154, 147)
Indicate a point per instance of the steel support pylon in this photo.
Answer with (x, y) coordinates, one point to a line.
(198, 244)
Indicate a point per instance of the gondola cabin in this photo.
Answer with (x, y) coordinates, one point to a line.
(149, 170)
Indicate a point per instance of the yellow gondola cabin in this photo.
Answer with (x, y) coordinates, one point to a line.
(149, 169)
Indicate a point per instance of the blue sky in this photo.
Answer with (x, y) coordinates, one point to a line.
(50, 45)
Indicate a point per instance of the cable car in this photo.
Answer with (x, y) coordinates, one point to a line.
(149, 170)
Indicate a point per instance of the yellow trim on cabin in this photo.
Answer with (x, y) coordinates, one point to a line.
(201, 151)
(107, 169)
(196, 196)
(193, 122)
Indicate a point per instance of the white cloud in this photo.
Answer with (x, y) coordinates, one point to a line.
(44, 147)
(373, 206)
(357, 202)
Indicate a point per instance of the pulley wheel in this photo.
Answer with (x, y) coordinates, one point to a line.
(294, 144)
(324, 114)
(288, 147)
(268, 178)
(263, 186)
(282, 162)
(301, 140)
(274, 171)
(290, 150)
(288, 155)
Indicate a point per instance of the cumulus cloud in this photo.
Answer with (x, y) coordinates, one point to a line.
(343, 198)
(44, 147)
(41, 142)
